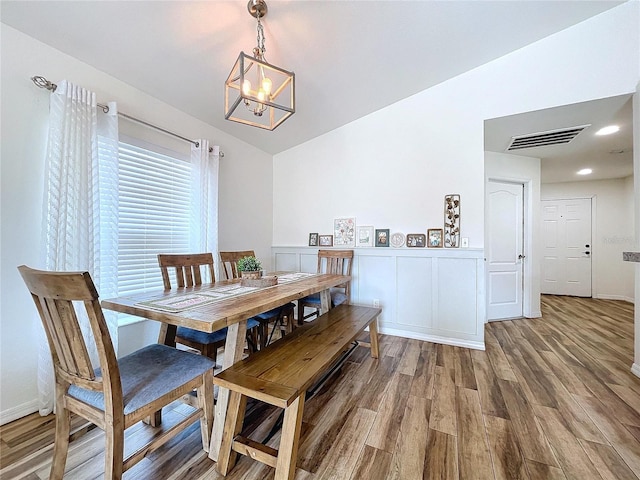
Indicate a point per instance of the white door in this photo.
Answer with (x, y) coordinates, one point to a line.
(504, 250)
(566, 255)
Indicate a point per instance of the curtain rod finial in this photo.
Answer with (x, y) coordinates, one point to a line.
(44, 83)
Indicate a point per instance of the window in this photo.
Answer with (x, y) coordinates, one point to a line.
(154, 203)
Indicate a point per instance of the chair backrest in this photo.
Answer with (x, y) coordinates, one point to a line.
(230, 262)
(187, 268)
(54, 294)
(338, 262)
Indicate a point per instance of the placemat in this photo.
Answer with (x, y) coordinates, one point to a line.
(186, 301)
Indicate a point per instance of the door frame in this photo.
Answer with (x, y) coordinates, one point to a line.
(530, 270)
(594, 232)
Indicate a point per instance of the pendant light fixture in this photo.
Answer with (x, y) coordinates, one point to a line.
(256, 92)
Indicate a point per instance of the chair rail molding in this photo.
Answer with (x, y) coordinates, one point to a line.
(435, 295)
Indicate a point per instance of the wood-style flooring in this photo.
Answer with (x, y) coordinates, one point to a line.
(550, 398)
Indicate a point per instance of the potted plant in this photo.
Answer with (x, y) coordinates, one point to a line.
(250, 267)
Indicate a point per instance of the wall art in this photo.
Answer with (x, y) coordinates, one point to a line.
(382, 237)
(344, 232)
(364, 236)
(416, 239)
(452, 221)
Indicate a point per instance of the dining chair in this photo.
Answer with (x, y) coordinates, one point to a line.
(281, 316)
(337, 262)
(120, 392)
(188, 273)
(229, 262)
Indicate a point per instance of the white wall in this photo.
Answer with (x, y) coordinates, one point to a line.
(526, 170)
(393, 167)
(24, 131)
(612, 232)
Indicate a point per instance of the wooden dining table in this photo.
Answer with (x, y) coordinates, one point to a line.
(231, 312)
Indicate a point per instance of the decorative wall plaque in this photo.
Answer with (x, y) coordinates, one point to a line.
(452, 221)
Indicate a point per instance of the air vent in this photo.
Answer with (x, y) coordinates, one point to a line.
(542, 139)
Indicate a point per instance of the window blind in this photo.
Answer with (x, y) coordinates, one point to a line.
(153, 209)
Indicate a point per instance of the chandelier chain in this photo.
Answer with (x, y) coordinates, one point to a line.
(261, 47)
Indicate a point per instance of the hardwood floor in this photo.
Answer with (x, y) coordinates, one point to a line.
(551, 398)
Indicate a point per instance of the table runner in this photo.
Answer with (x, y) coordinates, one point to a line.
(181, 302)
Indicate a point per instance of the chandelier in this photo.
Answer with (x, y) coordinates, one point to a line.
(257, 93)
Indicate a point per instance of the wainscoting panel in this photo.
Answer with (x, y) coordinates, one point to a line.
(414, 287)
(454, 276)
(435, 295)
(375, 280)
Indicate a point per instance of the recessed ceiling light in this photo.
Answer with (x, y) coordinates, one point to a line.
(585, 171)
(608, 130)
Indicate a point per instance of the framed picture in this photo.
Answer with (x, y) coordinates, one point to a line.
(325, 240)
(416, 240)
(364, 236)
(344, 232)
(313, 239)
(434, 236)
(382, 237)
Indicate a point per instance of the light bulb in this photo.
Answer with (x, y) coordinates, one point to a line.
(246, 87)
(261, 95)
(266, 85)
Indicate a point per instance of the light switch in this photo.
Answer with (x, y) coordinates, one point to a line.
(465, 242)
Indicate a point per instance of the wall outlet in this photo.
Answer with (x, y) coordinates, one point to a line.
(376, 303)
(465, 242)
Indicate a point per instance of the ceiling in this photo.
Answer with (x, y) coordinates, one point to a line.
(608, 156)
(351, 58)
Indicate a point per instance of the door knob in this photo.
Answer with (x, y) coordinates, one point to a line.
(520, 257)
(587, 252)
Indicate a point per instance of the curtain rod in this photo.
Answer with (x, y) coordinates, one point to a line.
(44, 83)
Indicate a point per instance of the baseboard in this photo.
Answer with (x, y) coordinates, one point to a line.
(432, 338)
(635, 369)
(614, 297)
(536, 314)
(19, 411)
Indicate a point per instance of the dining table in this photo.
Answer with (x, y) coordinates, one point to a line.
(213, 306)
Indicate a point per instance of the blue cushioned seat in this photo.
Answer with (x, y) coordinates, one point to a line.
(273, 313)
(208, 338)
(147, 375)
(337, 298)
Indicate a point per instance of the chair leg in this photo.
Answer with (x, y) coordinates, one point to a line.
(252, 340)
(205, 402)
(61, 445)
(291, 321)
(210, 350)
(300, 313)
(114, 450)
(264, 333)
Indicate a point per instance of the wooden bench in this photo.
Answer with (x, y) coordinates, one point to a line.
(280, 375)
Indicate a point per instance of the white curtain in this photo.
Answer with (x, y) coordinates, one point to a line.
(76, 198)
(204, 203)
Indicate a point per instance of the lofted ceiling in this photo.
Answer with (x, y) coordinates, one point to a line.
(351, 58)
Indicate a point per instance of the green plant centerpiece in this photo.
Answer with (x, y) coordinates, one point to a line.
(250, 267)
